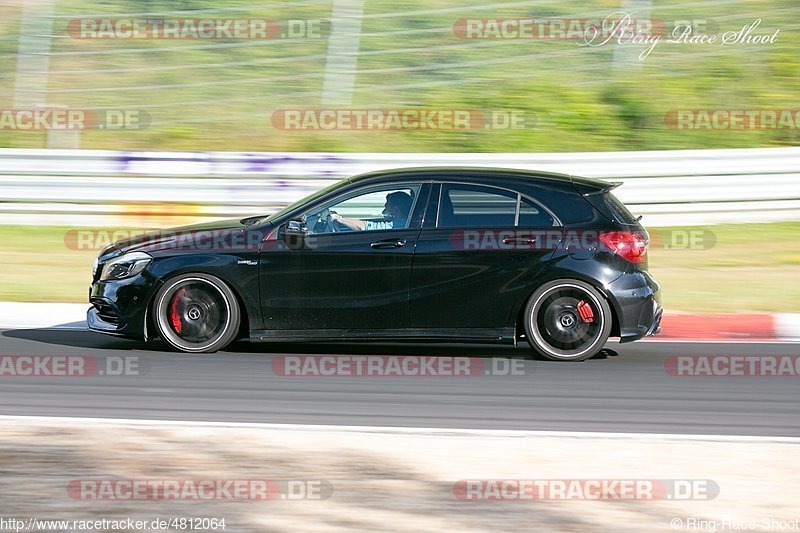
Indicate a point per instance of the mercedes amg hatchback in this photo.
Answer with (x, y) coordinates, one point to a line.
(433, 255)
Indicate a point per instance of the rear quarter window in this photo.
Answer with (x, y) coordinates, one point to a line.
(618, 209)
(532, 215)
(570, 207)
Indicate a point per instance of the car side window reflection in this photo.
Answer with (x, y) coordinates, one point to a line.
(376, 209)
(474, 206)
(468, 206)
(532, 215)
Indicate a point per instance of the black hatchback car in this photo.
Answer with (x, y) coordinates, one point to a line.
(432, 254)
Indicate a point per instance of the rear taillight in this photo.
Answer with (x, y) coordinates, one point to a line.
(627, 244)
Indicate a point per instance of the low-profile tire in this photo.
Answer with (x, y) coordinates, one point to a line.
(196, 313)
(557, 329)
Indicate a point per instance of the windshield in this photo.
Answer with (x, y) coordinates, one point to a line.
(307, 199)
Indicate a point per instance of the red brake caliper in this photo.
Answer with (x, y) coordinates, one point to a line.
(174, 313)
(585, 310)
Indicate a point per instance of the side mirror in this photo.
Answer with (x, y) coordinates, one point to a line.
(294, 234)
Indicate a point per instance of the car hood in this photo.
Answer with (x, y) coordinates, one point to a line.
(196, 237)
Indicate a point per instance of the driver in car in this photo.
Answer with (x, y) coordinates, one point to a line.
(395, 212)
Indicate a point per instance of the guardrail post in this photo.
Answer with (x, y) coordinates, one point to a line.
(343, 44)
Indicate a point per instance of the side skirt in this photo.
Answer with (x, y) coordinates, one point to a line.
(490, 336)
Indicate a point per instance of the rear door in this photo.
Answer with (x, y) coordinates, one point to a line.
(475, 258)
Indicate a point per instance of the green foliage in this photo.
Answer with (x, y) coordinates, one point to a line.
(220, 95)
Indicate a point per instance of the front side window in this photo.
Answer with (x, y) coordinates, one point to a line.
(384, 208)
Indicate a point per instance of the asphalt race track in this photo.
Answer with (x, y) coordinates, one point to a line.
(625, 389)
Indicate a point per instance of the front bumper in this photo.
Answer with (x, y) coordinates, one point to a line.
(120, 307)
(637, 296)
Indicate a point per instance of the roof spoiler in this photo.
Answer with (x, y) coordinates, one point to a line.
(588, 186)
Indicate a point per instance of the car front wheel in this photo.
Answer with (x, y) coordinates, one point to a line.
(196, 313)
(567, 320)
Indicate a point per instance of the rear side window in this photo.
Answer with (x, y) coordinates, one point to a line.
(618, 209)
(474, 206)
(468, 206)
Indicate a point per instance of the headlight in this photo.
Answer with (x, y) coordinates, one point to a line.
(125, 266)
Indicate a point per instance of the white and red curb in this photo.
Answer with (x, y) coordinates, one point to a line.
(731, 326)
(678, 326)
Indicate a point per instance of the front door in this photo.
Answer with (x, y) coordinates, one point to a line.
(355, 270)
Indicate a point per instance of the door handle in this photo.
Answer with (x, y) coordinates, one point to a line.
(519, 240)
(389, 243)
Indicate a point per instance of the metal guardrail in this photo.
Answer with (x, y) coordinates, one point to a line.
(149, 189)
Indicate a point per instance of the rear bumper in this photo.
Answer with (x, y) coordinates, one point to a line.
(638, 301)
(655, 327)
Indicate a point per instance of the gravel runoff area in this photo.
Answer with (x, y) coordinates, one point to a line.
(386, 479)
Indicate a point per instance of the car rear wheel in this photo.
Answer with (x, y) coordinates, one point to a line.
(567, 320)
(196, 313)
